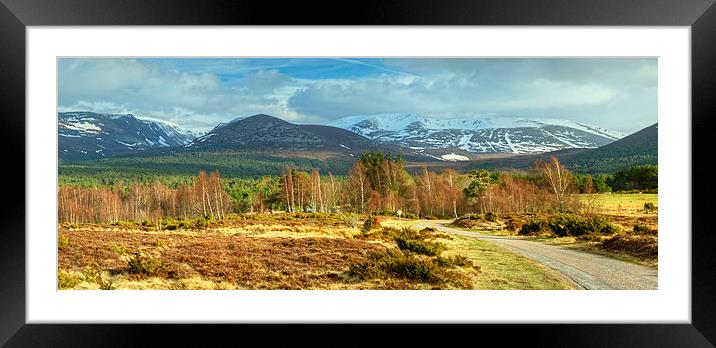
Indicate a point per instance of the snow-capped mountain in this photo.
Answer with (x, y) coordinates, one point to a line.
(89, 135)
(486, 134)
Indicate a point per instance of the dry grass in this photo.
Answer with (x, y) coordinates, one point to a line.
(283, 251)
(243, 262)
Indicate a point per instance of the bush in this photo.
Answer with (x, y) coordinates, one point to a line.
(66, 280)
(643, 247)
(569, 225)
(512, 225)
(403, 265)
(534, 226)
(125, 224)
(201, 223)
(490, 216)
(419, 246)
(475, 217)
(430, 217)
(457, 260)
(170, 224)
(62, 242)
(640, 228)
(649, 207)
(139, 264)
(410, 216)
(68, 225)
(117, 249)
(349, 219)
(371, 223)
(396, 264)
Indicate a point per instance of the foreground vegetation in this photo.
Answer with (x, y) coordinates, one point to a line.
(288, 251)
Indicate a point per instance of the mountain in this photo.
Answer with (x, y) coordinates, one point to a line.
(463, 139)
(268, 134)
(639, 148)
(88, 135)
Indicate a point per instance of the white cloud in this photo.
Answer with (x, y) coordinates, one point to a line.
(194, 100)
(614, 93)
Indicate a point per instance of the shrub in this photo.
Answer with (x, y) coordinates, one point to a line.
(640, 228)
(534, 226)
(410, 216)
(475, 217)
(490, 216)
(201, 223)
(66, 280)
(396, 264)
(466, 222)
(457, 260)
(649, 207)
(125, 224)
(644, 247)
(371, 223)
(105, 284)
(569, 225)
(91, 274)
(430, 217)
(403, 265)
(512, 225)
(419, 246)
(68, 225)
(62, 242)
(170, 224)
(139, 264)
(117, 249)
(349, 219)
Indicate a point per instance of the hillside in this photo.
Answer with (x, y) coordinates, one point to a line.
(639, 148)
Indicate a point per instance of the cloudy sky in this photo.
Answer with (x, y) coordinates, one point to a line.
(619, 94)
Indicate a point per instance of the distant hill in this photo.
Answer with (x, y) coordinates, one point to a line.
(639, 148)
(267, 134)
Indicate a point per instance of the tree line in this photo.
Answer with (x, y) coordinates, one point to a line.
(376, 183)
(203, 197)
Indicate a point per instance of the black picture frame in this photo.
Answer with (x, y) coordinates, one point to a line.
(16, 15)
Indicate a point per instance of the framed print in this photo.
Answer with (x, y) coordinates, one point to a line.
(461, 163)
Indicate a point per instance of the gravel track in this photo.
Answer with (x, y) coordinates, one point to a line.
(589, 271)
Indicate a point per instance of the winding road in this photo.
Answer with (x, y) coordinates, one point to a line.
(589, 271)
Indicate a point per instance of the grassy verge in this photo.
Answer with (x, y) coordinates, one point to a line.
(501, 269)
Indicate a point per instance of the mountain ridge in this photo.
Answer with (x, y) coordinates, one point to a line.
(486, 134)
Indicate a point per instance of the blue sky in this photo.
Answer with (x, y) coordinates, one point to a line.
(198, 93)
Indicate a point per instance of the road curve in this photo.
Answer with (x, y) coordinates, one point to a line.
(590, 271)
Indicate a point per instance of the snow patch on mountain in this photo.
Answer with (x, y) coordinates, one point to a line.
(453, 157)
